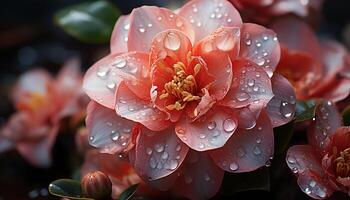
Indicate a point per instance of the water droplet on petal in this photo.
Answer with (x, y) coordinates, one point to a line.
(159, 148)
(248, 42)
(119, 62)
(173, 164)
(115, 136)
(149, 151)
(207, 177)
(226, 41)
(234, 166)
(142, 30)
(229, 125)
(257, 150)
(179, 22)
(152, 163)
(165, 155)
(172, 41)
(242, 96)
(286, 109)
(211, 125)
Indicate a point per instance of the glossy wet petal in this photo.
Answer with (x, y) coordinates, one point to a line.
(158, 154)
(210, 132)
(148, 21)
(206, 16)
(131, 107)
(281, 107)
(107, 131)
(247, 149)
(260, 45)
(313, 185)
(119, 38)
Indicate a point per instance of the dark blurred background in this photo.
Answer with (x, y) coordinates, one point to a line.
(29, 38)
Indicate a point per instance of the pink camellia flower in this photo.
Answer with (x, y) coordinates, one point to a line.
(41, 103)
(316, 68)
(188, 95)
(264, 11)
(322, 166)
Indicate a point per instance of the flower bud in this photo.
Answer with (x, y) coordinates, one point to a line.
(96, 185)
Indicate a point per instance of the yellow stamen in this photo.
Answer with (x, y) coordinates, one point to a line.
(342, 162)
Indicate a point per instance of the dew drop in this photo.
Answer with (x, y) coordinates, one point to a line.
(202, 136)
(119, 62)
(234, 166)
(229, 125)
(251, 82)
(291, 160)
(173, 164)
(178, 148)
(152, 163)
(127, 27)
(159, 148)
(248, 42)
(286, 109)
(165, 155)
(103, 71)
(312, 183)
(172, 41)
(257, 150)
(149, 151)
(91, 138)
(142, 30)
(225, 41)
(242, 96)
(207, 177)
(115, 136)
(211, 125)
(179, 22)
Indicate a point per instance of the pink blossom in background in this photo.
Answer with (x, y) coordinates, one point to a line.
(322, 166)
(41, 102)
(316, 68)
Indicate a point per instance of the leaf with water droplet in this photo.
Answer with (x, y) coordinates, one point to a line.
(128, 193)
(346, 116)
(240, 182)
(90, 22)
(305, 110)
(67, 188)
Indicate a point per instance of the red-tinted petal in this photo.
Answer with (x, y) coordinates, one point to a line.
(225, 39)
(5, 144)
(261, 46)
(148, 21)
(297, 35)
(119, 36)
(129, 106)
(172, 43)
(313, 185)
(337, 91)
(107, 131)
(251, 84)
(303, 158)
(247, 149)
(206, 16)
(209, 132)
(281, 107)
(201, 178)
(327, 121)
(340, 139)
(158, 154)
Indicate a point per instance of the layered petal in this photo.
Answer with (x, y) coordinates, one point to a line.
(206, 16)
(129, 106)
(327, 121)
(281, 107)
(148, 21)
(261, 46)
(247, 149)
(251, 85)
(107, 131)
(158, 154)
(119, 37)
(200, 179)
(209, 132)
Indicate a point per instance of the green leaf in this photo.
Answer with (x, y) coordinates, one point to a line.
(128, 193)
(240, 182)
(90, 22)
(305, 110)
(283, 135)
(346, 116)
(67, 188)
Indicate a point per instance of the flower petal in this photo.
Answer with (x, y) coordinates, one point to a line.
(247, 149)
(119, 36)
(107, 131)
(5, 144)
(225, 39)
(251, 84)
(201, 178)
(170, 43)
(313, 185)
(210, 132)
(281, 107)
(208, 15)
(261, 46)
(158, 154)
(148, 21)
(297, 35)
(131, 107)
(103, 78)
(327, 121)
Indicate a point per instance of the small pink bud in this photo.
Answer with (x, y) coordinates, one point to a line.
(96, 185)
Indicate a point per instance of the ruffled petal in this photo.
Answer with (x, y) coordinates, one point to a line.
(281, 107)
(247, 149)
(206, 16)
(173, 44)
(251, 85)
(201, 178)
(261, 46)
(131, 107)
(148, 21)
(119, 38)
(209, 132)
(327, 121)
(107, 131)
(158, 154)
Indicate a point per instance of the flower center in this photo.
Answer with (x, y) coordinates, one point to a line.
(342, 162)
(183, 86)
